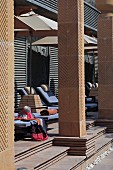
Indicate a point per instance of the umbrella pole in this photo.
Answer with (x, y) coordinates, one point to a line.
(30, 63)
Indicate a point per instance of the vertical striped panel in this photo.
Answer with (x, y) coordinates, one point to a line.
(47, 4)
(53, 74)
(90, 16)
(20, 66)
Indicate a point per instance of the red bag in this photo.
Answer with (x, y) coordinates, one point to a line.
(38, 132)
(39, 136)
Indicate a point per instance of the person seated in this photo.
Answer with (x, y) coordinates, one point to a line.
(26, 113)
(37, 127)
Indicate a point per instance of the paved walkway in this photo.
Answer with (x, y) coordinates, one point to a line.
(106, 163)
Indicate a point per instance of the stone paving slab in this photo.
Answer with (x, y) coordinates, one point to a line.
(23, 145)
(103, 140)
(106, 163)
(41, 157)
(67, 163)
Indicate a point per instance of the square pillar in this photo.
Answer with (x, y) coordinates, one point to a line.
(6, 85)
(71, 68)
(105, 53)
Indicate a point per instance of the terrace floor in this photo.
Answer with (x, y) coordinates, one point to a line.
(27, 144)
(52, 131)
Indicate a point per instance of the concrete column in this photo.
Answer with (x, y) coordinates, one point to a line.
(105, 57)
(71, 68)
(6, 85)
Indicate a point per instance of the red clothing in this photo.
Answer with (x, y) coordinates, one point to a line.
(26, 115)
(29, 115)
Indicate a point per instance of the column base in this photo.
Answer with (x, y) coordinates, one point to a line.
(105, 114)
(84, 146)
(107, 123)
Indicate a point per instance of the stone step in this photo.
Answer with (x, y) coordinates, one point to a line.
(70, 162)
(90, 123)
(30, 150)
(84, 146)
(43, 159)
(67, 163)
(97, 131)
(107, 123)
(102, 144)
(45, 156)
(104, 140)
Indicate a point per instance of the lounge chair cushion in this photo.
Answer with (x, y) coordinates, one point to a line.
(91, 106)
(27, 89)
(48, 112)
(22, 92)
(45, 87)
(48, 96)
(37, 115)
(47, 118)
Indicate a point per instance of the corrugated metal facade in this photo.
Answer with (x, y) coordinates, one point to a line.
(20, 66)
(90, 16)
(53, 74)
(47, 4)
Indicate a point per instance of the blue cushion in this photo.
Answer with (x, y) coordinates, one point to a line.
(22, 92)
(49, 96)
(22, 123)
(49, 117)
(91, 105)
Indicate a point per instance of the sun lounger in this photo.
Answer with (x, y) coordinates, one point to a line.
(47, 118)
(25, 124)
(23, 128)
(22, 92)
(47, 96)
(91, 104)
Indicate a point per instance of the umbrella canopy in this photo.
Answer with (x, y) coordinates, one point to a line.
(90, 40)
(36, 25)
(53, 41)
(52, 24)
(47, 41)
(33, 25)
